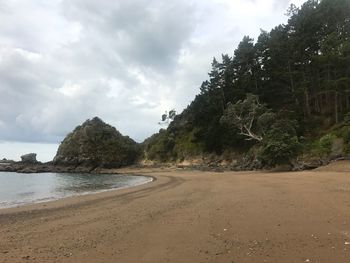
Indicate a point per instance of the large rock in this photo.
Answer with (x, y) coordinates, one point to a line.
(96, 144)
(29, 158)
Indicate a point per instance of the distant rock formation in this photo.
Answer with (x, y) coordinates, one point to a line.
(4, 160)
(29, 158)
(96, 144)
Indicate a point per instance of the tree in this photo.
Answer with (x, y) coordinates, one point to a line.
(280, 145)
(216, 84)
(299, 70)
(277, 137)
(167, 117)
(245, 68)
(245, 115)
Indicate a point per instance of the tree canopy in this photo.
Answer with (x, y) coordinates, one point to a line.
(298, 72)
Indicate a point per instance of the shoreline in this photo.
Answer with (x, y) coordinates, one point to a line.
(73, 200)
(53, 199)
(190, 216)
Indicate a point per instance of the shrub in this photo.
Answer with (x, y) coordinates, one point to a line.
(280, 145)
(325, 144)
(345, 134)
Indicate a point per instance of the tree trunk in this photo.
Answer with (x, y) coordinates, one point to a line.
(336, 101)
(317, 105)
(223, 99)
(307, 106)
(341, 109)
(292, 86)
(328, 101)
(329, 106)
(306, 96)
(336, 117)
(321, 102)
(319, 97)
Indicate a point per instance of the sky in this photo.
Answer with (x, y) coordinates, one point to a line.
(126, 61)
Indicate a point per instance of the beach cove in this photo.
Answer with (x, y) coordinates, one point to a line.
(191, 216)
(18, 189)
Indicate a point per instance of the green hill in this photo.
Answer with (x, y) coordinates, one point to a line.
(96, 144)
(274, 100)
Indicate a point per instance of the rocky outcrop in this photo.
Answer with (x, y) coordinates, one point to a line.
(20, 167)
(96, 144)
(5, 161)
(29, 158)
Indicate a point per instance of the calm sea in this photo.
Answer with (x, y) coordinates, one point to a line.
(19, 189)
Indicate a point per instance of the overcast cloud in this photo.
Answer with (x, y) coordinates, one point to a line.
(127, 61)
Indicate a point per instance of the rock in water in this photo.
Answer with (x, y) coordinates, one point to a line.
(29, 158)
(96, 144)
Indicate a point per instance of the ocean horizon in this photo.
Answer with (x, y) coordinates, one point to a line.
(14, 150)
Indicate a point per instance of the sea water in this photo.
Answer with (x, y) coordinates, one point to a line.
(20, 189)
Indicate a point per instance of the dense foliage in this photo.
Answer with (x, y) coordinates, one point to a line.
(280, 144)
(299, 71)
(97, 144)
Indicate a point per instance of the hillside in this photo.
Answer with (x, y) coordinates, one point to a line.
(282, 98)
(96, 144)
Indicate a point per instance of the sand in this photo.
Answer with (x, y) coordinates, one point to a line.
(191, 216)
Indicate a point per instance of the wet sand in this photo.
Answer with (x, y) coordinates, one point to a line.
(191, 216)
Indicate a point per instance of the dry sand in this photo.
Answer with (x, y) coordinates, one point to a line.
(191, 216)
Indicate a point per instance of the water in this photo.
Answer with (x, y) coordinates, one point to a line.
(19, 189)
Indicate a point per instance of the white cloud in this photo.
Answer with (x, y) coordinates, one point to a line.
(126, 61)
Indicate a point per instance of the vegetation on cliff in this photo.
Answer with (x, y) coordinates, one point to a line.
(300, 75)
(96, 144)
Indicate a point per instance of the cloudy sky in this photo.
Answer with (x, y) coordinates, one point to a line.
(126, 61)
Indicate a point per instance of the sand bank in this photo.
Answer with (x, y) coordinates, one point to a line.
(190, 216)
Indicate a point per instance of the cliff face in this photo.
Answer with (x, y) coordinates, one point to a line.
(96, 144)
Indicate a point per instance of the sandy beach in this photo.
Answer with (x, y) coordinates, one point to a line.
(191, 216)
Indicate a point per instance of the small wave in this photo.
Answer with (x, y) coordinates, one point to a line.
(26, 194)
(24, 200)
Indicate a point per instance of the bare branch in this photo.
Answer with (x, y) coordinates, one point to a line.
(244, 115)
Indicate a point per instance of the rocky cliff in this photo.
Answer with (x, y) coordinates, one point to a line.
(96, 144)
